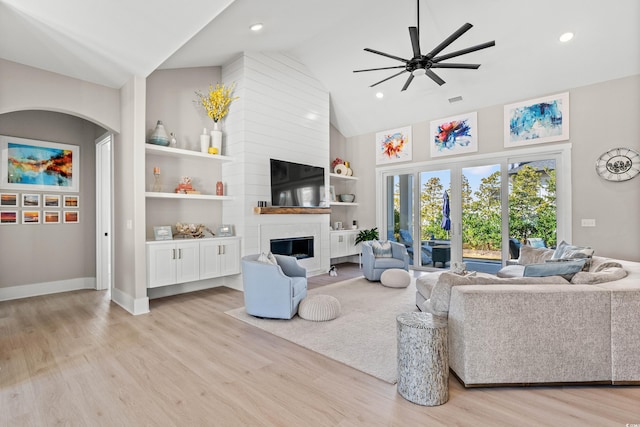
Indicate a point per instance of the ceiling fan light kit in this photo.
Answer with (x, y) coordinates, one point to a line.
(422, 64)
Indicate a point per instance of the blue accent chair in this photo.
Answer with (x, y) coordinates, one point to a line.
(373, 267)
(425, 250)
(273, 291)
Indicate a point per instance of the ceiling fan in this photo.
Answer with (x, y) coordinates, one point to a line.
(422, 64)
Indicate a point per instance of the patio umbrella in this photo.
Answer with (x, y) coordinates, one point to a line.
(446, 210)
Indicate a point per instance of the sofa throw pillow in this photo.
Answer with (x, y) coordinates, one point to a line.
(531, 255)
(267, 258)
(381, 249)
(608, 274)
(567, 251)
(564, 269)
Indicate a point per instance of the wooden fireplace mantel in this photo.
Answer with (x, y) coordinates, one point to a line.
(278, 210)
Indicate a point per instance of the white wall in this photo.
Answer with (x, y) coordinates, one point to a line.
(283, 113)
(603, 116)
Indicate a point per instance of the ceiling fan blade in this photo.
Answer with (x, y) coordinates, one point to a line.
(434, 77)
(406, 85)
(463, 66)
(464, 51)
(397, 58)
(388, 78)
(376, 69)
(415, 41)
(466, 27)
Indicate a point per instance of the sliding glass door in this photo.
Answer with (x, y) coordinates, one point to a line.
(478, 211)
(481, 191)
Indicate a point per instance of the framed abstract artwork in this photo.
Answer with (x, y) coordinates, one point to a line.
(454, 135)
(537, 121)
(393, 146)
(28, 164)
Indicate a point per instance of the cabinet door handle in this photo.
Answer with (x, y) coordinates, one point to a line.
(179, 253)
(173, 256)
(223, 249)
(340, 238)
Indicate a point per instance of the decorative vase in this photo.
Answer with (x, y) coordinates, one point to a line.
(204, 141)
(216, 137)
(159, 135)
(219, 188)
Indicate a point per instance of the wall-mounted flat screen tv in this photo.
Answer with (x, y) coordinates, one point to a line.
(296, 185)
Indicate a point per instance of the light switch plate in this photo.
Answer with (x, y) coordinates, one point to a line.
(588, 222)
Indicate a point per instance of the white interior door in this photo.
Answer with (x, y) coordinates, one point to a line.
(104, 212)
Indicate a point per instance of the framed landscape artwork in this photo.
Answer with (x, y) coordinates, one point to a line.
(27, 164)
(393, 146)
(71, 217)
(31, 217)
(537, 121)
(30, 200)
(8, 217)
(51, 200)
(51, 217)
(71, 201)
(454, 135)
(9, 199)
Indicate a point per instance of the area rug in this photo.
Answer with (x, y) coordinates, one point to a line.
(363, 336)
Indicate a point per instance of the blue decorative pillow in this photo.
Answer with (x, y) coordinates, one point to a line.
(381, 249)
(565, 269)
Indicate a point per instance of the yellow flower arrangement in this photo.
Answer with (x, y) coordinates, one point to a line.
(216, 102)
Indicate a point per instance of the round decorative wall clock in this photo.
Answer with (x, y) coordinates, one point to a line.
(618, 164)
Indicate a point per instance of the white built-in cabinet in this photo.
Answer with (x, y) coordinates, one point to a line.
(343, 243)
(170, 262)
(219, 257)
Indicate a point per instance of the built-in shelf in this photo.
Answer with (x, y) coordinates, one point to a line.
(179, 152)
(337, 175)
(344, 204)
(269, 210)
(158, 195)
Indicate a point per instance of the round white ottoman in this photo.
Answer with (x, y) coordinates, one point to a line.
(319, 308)
(395, 278)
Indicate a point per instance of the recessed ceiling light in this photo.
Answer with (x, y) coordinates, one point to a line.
(256, 27)
(379, 95)
(566, 37)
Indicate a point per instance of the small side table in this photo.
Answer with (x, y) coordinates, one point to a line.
(441, 253)
(423, 358)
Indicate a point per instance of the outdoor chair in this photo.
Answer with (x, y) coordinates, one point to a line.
(425, 250)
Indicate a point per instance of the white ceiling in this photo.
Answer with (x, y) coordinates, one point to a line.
(107, 42)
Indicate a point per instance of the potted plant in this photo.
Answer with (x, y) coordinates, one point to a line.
(366, 235)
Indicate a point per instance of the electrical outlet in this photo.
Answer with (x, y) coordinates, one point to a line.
(129, 224)
(588, 223)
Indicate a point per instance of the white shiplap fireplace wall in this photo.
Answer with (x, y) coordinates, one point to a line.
(282, 112)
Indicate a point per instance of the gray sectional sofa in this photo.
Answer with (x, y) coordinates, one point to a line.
(540, 330)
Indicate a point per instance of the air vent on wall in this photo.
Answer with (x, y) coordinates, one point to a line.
(455, 99)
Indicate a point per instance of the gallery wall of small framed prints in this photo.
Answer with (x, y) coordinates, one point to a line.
(39, 208)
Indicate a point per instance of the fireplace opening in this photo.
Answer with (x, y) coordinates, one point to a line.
(299, 247)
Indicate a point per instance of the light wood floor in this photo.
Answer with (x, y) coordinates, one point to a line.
(78, 359)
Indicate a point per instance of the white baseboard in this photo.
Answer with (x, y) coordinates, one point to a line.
(134, 306)
(183, 288)
(46, 288)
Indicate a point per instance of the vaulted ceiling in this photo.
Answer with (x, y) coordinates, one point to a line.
(107, 42)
